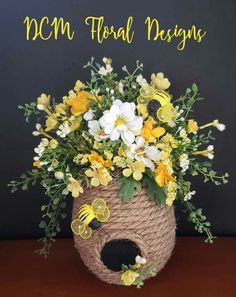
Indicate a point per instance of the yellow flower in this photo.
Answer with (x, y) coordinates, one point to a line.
(142, 110)
(129, 277)
(37, 164)
(43, 101)
(78, 86)
(108, 154)
(74, 187)
(51, 123)
(160, 82)
(80, 103)
(149, 133)
(119, 161)
(162, 175)
(53, 143)
(96, 159)
(99, 176)
(75, 123)
(136, 168)
(171, 192)
(60, 109)
(192, 126)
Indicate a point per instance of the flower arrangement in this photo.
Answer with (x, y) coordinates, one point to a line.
(129, 131)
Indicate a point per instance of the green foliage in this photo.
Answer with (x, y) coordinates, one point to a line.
(128, 188)
(198, 219)
(29, 109)
(154, 191)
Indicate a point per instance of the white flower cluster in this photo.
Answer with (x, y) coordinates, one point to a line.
(59, 175)
(184, 162)
(189, 195)
(141, 80)
(140, 260)
(103, 71)
(36, 132)
(64, 129)
(210, 150)
(41, 147)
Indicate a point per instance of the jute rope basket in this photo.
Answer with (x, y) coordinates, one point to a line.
(152, 229)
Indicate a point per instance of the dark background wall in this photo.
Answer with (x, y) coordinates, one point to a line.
(29, 68)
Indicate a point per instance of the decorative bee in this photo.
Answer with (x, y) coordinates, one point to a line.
(90, 218)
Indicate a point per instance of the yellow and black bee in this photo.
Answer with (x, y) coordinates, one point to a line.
(90, 218)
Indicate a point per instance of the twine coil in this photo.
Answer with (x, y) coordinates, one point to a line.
(152, 228)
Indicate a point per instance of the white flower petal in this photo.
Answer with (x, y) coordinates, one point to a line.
(115, 134)
(128, 137)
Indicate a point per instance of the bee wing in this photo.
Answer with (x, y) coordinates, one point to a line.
(104, 216)
(77, 226)
(87, 233)
(98, 205)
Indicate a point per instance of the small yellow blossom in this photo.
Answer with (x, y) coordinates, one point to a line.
(142, 110)
(43, 101)
(99, 176)
(108, 154)
(129, 277)
(60, 109)
(53, 143)
(160, 82)
(192, 126)
(74, 187)
(78, 86)
(119, 161)
(162, 175)
(96, 159)
(51, 123)
(37, 164)
(149, 133)
(171, 192)
(136, 169)
(75, 123)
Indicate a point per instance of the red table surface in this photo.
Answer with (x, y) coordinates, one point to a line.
(195, 269)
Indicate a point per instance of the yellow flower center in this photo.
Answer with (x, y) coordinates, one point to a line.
(119, 121)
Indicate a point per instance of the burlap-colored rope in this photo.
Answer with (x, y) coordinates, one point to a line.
(142, 221)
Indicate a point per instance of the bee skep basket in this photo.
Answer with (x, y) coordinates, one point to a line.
(138, 227)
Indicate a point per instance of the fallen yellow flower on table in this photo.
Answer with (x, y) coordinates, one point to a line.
(74, 187)
(162, 175)
(136, 168)
(129, 277)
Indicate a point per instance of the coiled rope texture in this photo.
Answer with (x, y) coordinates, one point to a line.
(152, 228)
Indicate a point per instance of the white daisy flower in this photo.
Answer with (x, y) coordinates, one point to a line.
(140, 151)
(121, 122)
(95, 130)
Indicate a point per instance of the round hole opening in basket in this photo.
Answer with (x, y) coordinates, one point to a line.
(119, 251)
